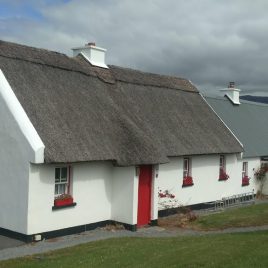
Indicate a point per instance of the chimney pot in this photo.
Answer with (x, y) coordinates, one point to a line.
(231, 85)
(232, 93)
(93, 54)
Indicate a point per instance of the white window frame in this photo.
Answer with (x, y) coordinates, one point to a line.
(244, 169)
(186, 167)
(61, 181)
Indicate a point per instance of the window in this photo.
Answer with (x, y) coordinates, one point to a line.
(186, 167)
(223, 176)
(222, 163)
(245, 169)
(61, 180)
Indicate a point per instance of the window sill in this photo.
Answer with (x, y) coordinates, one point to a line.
(64, 206)
(223, 179)
(187, 185)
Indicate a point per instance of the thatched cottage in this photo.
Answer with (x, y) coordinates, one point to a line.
(84, 144)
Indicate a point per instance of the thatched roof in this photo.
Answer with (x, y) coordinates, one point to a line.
(85, 113)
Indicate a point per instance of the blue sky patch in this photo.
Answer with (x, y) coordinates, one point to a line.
(26, 11)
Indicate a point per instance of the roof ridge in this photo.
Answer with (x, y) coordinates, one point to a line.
(31, 47)
(222, 98)
(48, 65)
(149, 73)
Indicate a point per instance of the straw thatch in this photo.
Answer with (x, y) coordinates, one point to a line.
(85, 113)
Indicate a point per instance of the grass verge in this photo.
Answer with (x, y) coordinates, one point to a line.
(253, 215)
(226, 250)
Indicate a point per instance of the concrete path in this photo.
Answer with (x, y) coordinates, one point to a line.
(6, 242)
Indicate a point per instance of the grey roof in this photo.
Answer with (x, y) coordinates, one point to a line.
(86, 113)
(248, 121)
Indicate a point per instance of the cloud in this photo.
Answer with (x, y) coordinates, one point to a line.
(210, 42)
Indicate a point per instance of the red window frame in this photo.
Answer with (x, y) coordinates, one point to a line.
(244, 169)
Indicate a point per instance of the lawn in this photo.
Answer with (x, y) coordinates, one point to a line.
(225, 250)
(251, 215)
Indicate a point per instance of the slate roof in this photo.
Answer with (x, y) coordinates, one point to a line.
(86, 113)
(248, 121)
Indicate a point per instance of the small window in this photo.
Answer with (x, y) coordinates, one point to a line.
(245, 169)
(186, 167)
(223, 176)
(222, 163)
(61, 181)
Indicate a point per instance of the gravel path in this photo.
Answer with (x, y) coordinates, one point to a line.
(100, 234)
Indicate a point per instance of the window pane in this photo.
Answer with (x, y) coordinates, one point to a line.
(64, 174)
(245, 168)
(185, 167)
(57, 174)
(56, 189)
(222, 162)
(62, 188)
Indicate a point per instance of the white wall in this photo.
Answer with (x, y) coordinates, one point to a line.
(124, 195)
(91, 190)
(154, 194)
(19, 144)
(14, 171)
(265, 187)
(205, 173)
(101, 191)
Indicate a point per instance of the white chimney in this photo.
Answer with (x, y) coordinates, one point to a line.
(232, 93)
(94, 55)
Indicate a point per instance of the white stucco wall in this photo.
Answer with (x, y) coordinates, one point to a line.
(124, 195)
(154, 194)
(101, 191)
(91, 190)
(14, 171)
(205, 173)
(19, 144)
(265, 187)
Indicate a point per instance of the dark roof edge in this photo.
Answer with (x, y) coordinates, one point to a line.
(223, 98)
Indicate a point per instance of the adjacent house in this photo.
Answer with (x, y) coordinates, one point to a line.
(247, 120)
(84, 144)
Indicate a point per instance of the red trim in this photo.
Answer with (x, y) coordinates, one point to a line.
(69, 179)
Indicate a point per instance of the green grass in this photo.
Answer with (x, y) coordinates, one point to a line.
(254, 215)
(227, 250)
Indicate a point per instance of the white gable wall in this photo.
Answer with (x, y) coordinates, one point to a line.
(14, 172)
(205, 173)
(19, 144)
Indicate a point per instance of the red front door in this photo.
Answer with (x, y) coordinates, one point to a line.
(144, 195)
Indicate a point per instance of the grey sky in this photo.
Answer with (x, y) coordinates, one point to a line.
(210, 42)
